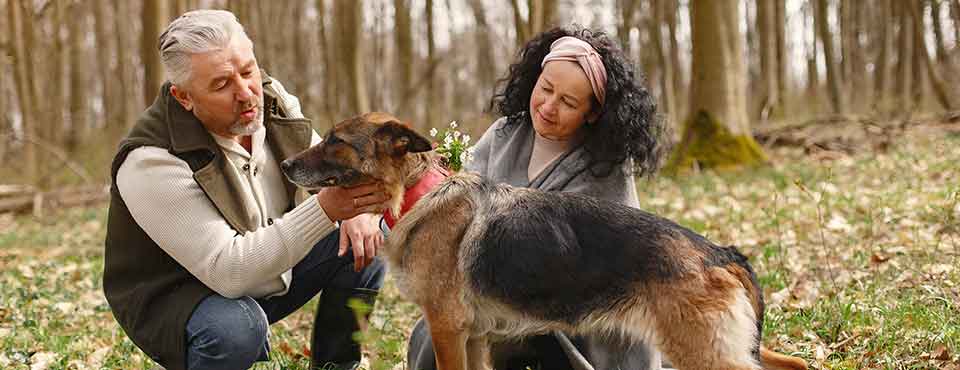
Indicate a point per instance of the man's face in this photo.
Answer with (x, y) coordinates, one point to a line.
(224, 91)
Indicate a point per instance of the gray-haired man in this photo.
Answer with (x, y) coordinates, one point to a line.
(207, 242)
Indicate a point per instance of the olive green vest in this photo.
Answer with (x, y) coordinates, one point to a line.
(151, 295)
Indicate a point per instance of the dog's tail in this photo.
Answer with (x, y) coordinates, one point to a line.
(771, 360)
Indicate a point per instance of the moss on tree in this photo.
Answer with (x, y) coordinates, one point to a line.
(709, 144)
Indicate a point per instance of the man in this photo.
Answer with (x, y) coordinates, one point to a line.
(207, 242)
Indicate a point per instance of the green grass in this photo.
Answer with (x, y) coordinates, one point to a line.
(858, 258)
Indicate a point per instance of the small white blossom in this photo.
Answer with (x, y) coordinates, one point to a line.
(463, 157)
(456, 134)
(466, 140)
(447, 140)
(453, 124)
(433, 132)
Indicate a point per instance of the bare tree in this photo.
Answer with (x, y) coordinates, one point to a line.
(780, 25)
(301, 60)
(881, 69)
(904, 48)
(78, 75)
(124, 77)
(627, 22)
(833, 69)
(101, 27)
(153, 18)
(330, 81)
(667, 93)
(20, 28)
(540, 15)
(939, 86)
(766, 22)
(716, 134)
(348, 18)
(486, 65)
(430, 106)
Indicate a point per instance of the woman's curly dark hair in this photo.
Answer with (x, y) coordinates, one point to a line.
(628, 125)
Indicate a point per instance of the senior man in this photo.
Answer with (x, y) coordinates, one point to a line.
(207, 242)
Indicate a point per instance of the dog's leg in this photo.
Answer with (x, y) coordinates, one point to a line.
(478, 353)
(449, 339)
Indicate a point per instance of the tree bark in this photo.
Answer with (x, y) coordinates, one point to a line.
(882, 70)
(330, 82)
(767, 47)
(101, 31)
(627, 21)
(904, 44)
(939, 86)
(55, 123)
(303, 74)
(918, 77)
(78, 76)
(780, 25)
(124, 74)
(431, 103)
(667, 93)
(152, 18)
(486, 63)
(813, 73)
(349, 20)
(833, 71)
(20, 25)
(717, 132)
(403, 39)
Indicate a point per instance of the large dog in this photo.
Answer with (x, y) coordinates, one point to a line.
(489, 261)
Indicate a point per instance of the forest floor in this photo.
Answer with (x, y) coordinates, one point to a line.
(858, 255)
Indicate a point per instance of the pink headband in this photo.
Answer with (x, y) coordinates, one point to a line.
(572, 49)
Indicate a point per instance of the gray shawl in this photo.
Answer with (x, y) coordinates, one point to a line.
(502, 154)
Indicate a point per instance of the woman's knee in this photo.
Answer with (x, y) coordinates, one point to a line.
(226, 334)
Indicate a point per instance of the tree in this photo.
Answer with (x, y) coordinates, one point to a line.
(429, 108)
(717, 133)
(78, 76)
(124, 76)
(485, 62)
(667, 93)
(541, 14)
(939, 86)
(780, 25)
(766, 24)
(826, 42)
(349, 20)
(882, 70)
(20, 27)
(403, 41)
(101, 27)
(152, 18)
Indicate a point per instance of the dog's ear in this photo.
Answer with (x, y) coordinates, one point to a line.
(400, 139)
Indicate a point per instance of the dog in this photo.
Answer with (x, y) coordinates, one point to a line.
(487, 261)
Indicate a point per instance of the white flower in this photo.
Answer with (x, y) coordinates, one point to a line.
(433, 132)
(463, 157)
(456, 134)
(453, 124)
(466, 139)
(447, 140)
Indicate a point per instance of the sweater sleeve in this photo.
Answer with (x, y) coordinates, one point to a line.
(165, 200)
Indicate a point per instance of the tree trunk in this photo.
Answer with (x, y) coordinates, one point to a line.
(717, 133)
(679, 78)
(918, 77)
(152, 17)
(813, 73)
(124, 73)
(78, 76)
(667, 94)
(941, 44)
(55, 125)
(349, 19)
(939, 86)
(519, 25)
(833, 72)
(627, 21)
(330, 81)
(403, 39)
(20, 24)
(101, 31)
(431, 103)
(486, 63)
(780, 25)
(766, 24)
(902, 87)
(882, 70)
(302, 59)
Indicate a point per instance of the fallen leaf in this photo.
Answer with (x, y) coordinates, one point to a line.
(942, 353)
(95, 359)
(877, 259)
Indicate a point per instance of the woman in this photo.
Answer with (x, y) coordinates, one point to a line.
(575, 118)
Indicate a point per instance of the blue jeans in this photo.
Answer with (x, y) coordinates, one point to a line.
(225, 333)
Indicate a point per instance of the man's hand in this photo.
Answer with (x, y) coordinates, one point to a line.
(363, 234)
(340, 203)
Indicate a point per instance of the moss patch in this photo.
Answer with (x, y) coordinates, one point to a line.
(708, 144)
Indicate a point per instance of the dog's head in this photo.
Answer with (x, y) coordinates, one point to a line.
(363, 149)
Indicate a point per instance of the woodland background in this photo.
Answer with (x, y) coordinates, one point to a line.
(846, 112)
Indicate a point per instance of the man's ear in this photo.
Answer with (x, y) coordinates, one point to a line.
(400, 139)
(182, 96)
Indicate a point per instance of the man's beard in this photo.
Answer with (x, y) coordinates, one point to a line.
(241, 128)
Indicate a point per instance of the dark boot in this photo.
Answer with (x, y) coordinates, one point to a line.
(332, 345)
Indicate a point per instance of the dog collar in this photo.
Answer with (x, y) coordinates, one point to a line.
(427, 182)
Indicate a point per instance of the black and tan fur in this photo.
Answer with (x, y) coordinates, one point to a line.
(489, 261)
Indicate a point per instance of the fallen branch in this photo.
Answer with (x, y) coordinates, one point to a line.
(56, 152)
(28, 200)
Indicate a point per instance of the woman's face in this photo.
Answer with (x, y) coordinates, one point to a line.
(562, 100)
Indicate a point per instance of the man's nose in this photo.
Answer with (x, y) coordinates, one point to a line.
(245, 92)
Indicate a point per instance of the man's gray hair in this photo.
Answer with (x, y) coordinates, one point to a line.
(195, 32)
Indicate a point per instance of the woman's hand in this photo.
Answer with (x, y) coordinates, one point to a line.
(341, 203)
(364, 235)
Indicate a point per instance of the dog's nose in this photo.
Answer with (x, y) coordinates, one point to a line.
(285, 165)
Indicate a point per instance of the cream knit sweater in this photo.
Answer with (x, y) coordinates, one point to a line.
(164, 199)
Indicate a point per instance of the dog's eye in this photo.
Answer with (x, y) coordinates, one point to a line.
(331, 139)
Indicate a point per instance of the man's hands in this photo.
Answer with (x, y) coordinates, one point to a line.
(359, 208)
(342, 203)
(363, 234)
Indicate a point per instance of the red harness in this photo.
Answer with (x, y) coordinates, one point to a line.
(427, 182)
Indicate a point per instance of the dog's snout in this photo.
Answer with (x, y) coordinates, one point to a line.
(286, 164)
